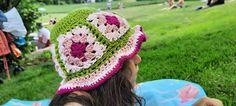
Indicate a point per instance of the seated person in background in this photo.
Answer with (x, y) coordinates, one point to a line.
(172, 4)
(52, 21)
(109, 4)
(98, 63)
(43, 36)
(211, 3)
(180, 3)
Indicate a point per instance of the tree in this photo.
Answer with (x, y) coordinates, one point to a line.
(8, 4)
(28, 11)
(29, 14)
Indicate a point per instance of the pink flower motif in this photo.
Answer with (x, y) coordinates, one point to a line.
(90, 38)
(113, 36)
(99, 49)
(89, 48)
(66, 51)
(76, 31)
(36, 104)
(187, 93)
(111, 29)
(67, 43)
(70, 60)
(115, 28)
(78, 62)
(101, 19)
(122, 30)
(92, 17)
(108, 29)
(76, 38)
(112, 20)
(83, 39)
(122, 24)
(78, 49)
(97, 46)
(89, 55)
(61, 38)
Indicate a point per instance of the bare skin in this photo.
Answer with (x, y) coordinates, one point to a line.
(133, 65)
(206, 101)
(73, 104)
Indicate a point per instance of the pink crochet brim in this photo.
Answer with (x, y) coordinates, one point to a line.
(140, 39)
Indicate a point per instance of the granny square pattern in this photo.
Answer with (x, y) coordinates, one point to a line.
(90, 47)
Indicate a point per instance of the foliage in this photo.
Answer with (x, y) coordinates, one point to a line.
(197, 46)
(8, 4)
(29, 13)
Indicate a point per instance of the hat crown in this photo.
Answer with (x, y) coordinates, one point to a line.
(86, 39)
(91, 47)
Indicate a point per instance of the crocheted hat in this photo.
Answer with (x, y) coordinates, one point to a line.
(91, 47)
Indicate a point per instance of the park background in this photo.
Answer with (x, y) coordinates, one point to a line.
(197, 46)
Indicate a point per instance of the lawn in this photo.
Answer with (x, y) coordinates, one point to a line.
(101, 5)
(60, 11)
(197, 46)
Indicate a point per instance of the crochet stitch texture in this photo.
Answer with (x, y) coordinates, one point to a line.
(90, 47)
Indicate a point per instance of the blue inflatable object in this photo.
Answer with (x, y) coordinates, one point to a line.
(17, 102)
(169, 92)
(20, 41)
(166, 92)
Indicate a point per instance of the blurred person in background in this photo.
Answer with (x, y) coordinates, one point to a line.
(211, 3)
(43, 36)
(172, 5)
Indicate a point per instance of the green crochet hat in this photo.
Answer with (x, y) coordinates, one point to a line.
(91, 46)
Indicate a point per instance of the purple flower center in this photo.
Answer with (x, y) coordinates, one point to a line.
(112, 20)
(78, 49)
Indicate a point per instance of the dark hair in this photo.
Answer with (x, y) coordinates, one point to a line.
(116, 91)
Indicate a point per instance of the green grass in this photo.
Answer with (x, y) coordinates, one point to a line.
(102, 6)
(59, 11)
(38, 81)
(197, 46)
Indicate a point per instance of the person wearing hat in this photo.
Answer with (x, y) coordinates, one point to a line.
(96, 54)
(43, 36)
